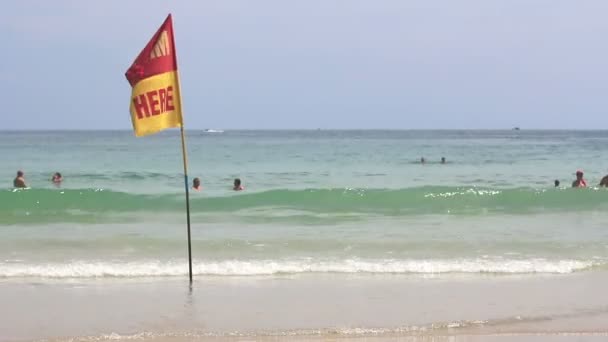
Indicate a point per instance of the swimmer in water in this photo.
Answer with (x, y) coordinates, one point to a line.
(57, 178)
(556, 182)
(196, 184)
(19, 181)
(604, 181)
(442, 160)
(422, 160)
(580, 181)
(237, 185)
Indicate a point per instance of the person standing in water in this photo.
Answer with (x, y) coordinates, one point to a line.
(443, 160)
(422, 160)
(237, 185)
(57, 178)
(604, 181)
(556, 183)
(580, 181)
(196, 184)
(19, 181)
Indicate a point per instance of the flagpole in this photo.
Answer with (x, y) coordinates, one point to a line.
(184, 157)
(187, 194)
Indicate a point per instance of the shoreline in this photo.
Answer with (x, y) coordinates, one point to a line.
(309, 307)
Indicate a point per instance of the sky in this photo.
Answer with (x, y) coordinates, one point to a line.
(350, 64)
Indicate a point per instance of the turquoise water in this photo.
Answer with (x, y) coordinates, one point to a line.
(315, 201)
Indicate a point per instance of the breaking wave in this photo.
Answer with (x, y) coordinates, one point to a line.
(102, 269)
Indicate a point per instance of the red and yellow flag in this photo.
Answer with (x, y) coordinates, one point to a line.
(155, 97)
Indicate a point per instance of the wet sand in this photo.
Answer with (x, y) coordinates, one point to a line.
(310, 307)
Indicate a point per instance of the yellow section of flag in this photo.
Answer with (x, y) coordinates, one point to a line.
(156, 104)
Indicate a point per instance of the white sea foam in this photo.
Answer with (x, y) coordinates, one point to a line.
(89, 269)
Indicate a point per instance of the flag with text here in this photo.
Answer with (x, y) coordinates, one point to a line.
(155, 98)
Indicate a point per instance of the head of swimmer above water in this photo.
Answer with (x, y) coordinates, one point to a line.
(237, 184)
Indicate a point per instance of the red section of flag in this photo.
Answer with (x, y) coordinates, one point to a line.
(157, 57)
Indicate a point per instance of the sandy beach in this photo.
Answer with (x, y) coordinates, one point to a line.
(312, 307)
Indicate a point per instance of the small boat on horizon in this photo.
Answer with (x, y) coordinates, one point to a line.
(213, 131)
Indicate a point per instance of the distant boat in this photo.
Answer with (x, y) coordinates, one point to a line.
(213, 131)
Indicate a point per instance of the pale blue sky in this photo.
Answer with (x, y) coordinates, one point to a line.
(315, 63)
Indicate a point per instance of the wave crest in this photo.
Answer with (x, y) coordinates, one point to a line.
(87, 269)
(44, 205)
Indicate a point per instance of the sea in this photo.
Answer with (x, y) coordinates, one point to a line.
(315, 201)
